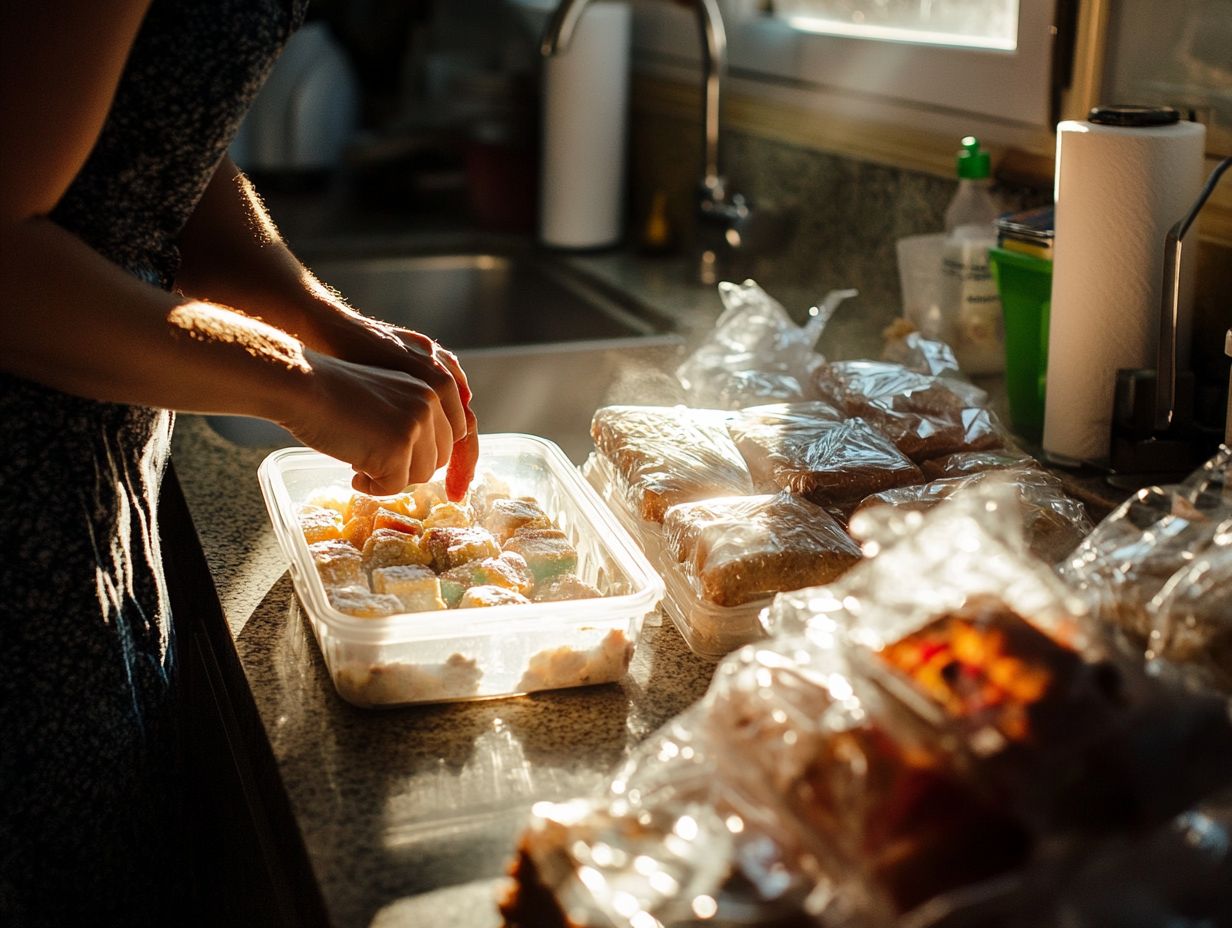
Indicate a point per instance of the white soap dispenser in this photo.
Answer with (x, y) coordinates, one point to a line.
(968, 291)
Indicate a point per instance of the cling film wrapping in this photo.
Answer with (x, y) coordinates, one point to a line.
(670, 454)
(739, 549)
(958, 747)
(815, 452)
(1158, 568)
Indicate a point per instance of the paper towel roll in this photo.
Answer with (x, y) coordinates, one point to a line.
(585, 116)
(1118, 192)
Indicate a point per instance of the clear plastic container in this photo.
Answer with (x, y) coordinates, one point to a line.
(710, 631)
(476, 653)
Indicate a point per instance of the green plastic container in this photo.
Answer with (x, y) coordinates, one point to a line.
(1025, 285)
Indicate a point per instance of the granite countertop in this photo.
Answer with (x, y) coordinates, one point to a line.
(409, 816)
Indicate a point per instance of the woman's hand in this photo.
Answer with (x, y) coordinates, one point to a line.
(379, 344)
(387, 424)
(352, 337)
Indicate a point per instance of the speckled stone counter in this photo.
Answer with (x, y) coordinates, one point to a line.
(408, 815)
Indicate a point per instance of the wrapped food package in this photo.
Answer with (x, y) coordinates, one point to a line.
(962, 463)
(925, 416)
(756, 352)
(1158, 569)
(710, 630)
(934, 744)
(670, 454)
(739, 549)
(813, 451)
(1054, 523)
(911, 349)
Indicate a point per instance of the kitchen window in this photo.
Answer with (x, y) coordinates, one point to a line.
(949, 67)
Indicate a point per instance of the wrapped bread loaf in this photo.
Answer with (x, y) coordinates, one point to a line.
(811, 450)
(670, 454)
(925, 416)
(739, 549)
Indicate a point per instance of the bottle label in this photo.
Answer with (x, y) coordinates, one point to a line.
(971, 298)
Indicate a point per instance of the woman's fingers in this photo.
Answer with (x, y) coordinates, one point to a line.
(388, 425)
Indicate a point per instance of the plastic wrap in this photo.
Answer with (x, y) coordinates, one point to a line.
(1158, 569)
(1053, 522)
(756, 353)
(945, 744)
(964, 463)
(670, 454)
(915, 352)
(813, 451)
(740, 549)
(711, 631)
(925, 416)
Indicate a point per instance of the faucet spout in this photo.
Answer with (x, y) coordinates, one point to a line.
(714, 66)
(558, 32)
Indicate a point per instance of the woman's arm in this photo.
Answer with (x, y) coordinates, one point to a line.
(74, 321)
(231, 251)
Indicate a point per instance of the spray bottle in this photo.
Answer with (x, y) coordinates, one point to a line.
(968, 292)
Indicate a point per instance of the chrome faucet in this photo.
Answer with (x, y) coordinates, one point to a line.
(720, 212)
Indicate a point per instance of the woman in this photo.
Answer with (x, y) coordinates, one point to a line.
(140, 274)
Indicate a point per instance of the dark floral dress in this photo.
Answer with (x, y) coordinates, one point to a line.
(89, 799)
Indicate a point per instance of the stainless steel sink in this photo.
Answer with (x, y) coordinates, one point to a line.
(543, 344)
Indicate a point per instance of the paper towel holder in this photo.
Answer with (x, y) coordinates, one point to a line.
(1153, 427)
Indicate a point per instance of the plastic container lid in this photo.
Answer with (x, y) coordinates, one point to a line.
(973, 162)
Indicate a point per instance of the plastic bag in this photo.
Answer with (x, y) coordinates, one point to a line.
(925, 416)
(740, 549)
(964, 463)
(942, 746)
(1053, 522)
(756, 353)
(670, 454)
(908, 347)
(813, 451)
(1157, 569)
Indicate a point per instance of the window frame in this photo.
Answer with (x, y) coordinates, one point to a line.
(987, 87)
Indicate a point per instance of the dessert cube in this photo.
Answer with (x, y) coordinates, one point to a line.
(506, 516)
(449, 515)
(361, 602)
(447, 547)
(361, 505)
(387, 547)
(389, 518)
(319, 523)
(547, 552)
(424, 496)
(487, 490)
(338, 562)
(415, 585)
(566, 586)
(508, 570)
(479, 596)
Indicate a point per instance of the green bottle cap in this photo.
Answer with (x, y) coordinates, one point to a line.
(973, 162)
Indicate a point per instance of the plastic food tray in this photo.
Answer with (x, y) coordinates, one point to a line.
(476, 653)
(710, 631)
